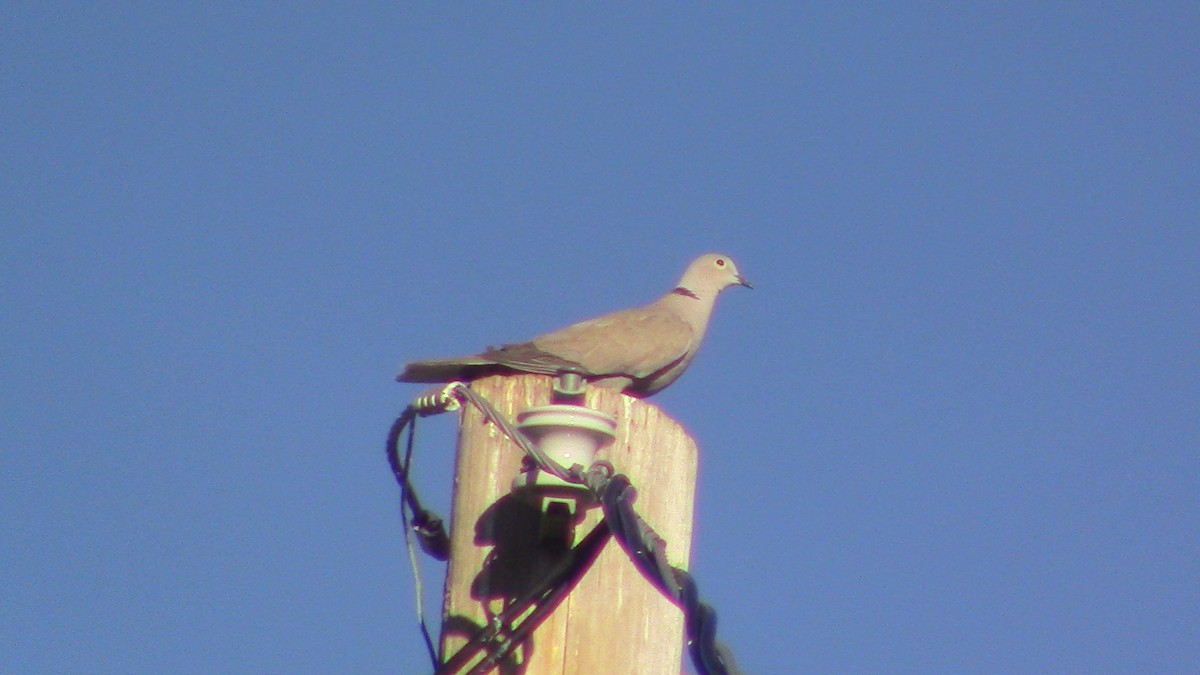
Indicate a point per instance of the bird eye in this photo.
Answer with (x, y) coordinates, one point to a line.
(720, 262)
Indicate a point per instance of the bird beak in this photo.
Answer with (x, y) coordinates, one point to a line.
(742, 280)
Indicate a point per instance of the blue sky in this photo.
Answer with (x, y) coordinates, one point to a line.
(954, 428)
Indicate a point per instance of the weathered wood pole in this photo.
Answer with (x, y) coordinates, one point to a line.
(615, 620)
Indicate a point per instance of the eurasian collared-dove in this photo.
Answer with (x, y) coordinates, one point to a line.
(638, 351)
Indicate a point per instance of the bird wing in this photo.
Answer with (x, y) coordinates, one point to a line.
(636, 342)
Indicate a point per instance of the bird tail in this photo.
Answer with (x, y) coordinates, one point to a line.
(446, 370)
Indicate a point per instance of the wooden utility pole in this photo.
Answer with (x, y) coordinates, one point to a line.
(615, 620)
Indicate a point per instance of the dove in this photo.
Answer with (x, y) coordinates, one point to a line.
(639, 351)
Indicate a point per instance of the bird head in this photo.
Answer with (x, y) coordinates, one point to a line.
(712, 273)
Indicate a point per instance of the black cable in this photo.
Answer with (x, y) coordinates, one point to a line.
(430, 529)
(427, 525)
(418, 586)
(709, 655)
(646, 549)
